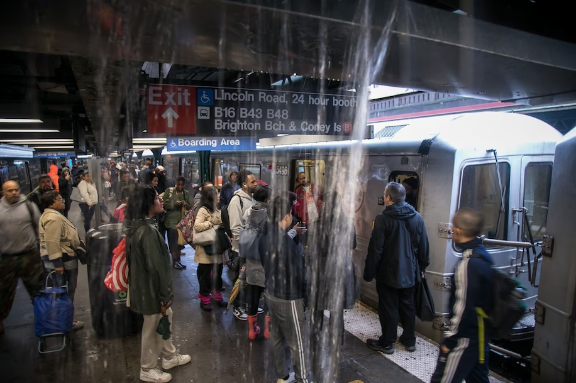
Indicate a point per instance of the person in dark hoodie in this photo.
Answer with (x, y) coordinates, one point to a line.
(65, 184)
(150, 290)
(227, 191)
(464, 351)
(397, 257)
(256, 217)
(285, 292)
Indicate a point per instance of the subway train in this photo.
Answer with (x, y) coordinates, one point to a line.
(497, 163)
(17, 164)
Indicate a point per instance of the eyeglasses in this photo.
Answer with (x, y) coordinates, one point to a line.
(59, 200)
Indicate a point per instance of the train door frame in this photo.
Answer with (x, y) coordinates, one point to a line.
(527, 162)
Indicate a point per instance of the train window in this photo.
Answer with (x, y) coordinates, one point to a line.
(254, 168)
(412, 185)
(537, 181)
(217, 173)
(480, 191)
(314, 170)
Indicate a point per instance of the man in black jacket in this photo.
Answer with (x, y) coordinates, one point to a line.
(285, 272)
(397, 257)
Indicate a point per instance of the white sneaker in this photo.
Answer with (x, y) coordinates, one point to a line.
(240, 314)
(155, 375)
(260, 310)
(177, 360)
(291, 378)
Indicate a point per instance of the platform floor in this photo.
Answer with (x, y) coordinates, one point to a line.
(218, 344)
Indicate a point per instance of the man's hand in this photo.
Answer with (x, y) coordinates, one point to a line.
(90, 206)
(59, 270)
(299, 229)
(164, 307)
(445, 349)
(67, 177)
(422, 275)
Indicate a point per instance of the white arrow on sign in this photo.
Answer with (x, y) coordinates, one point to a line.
(170, 114)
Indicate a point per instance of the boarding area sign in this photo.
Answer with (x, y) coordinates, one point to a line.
(187, 110)
(54, 154)
(178, 144)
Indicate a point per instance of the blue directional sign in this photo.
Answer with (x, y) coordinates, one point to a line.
(205, 96)
(178, 144)
(54, 154)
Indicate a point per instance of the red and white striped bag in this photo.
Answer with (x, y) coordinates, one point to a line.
(117, 278)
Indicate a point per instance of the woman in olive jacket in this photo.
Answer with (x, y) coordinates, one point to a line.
(209, 266)
(150, 283)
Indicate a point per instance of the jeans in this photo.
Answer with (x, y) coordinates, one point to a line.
(88, 214)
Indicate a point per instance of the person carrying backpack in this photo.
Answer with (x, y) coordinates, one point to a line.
(464, 350)
(255, 220)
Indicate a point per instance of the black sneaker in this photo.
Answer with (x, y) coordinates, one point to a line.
(179, 266)
(205, 307)
(409, 348)
(221, 303)
(375, 345)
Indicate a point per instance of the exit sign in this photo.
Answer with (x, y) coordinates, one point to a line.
(171, 109)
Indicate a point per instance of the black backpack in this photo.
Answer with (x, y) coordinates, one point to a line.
(509, 307)
(226, 219)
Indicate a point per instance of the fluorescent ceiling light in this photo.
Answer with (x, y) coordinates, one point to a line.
(29, 131)
(20, 121)
(53, 147)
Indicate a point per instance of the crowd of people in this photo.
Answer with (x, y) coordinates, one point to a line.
(293, 249)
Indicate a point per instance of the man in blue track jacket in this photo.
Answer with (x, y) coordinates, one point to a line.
(464, 352)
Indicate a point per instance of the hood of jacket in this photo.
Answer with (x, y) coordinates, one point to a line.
(400, 210)
(197, 197)
(53, 170)
(132, 225)
(242, 194)
(258, 214)
(5, 204)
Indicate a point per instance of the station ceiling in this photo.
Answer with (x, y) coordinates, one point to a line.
(79, 62)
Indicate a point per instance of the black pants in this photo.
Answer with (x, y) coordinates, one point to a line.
(394, 303)
(209, 277)
(462, 363)
(253, 294)
(88, 214)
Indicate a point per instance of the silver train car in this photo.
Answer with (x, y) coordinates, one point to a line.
(553, 357)
(498, 163)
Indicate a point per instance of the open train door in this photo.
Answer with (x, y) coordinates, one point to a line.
(554, 352)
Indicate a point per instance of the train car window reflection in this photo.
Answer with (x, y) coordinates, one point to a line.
(537, 181)
(314, 170)
(256, 169)
(411, 183)
(217, 173)
(480, 191)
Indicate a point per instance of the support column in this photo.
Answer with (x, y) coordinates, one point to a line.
(204, 165)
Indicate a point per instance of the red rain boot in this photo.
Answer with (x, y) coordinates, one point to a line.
(253, 326)
(267, 326)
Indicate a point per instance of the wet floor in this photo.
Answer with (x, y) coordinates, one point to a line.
(217, 343)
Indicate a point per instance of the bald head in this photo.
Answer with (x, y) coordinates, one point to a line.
(11, 192)
(467, 224)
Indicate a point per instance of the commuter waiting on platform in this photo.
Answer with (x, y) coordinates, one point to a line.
(150, 291)
(44, 185)
(19, 256)
(176, 202)
(65, 183)
(209, 265)
(120, 212)
(89, 197)
(58, 243)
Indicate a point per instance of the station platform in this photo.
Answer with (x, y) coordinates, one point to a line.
(218, 344)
